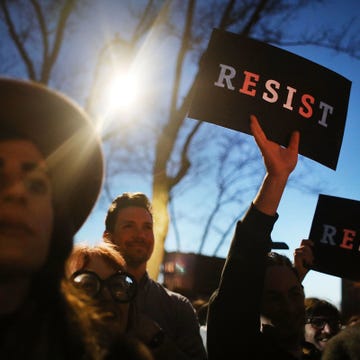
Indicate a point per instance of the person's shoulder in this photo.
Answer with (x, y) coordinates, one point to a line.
(174, 296)
(347, 341)
(348, 334)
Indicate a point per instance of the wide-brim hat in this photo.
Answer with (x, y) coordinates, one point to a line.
(65, 135)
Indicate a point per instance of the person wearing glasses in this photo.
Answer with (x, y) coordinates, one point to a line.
(322, 322)
(323, 319)
(258, 311)
(100, 273)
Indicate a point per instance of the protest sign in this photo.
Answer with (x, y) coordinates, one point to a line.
(335, 231)
(240, 76)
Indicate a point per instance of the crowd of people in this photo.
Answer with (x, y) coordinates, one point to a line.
(59, 300)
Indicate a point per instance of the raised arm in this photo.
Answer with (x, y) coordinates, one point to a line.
(279, 162)
(245, 266)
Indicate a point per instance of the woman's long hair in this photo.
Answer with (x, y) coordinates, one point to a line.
(30, 333)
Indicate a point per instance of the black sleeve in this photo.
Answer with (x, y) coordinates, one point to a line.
(234, 308)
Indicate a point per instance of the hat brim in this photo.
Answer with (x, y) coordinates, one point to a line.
(65, 135)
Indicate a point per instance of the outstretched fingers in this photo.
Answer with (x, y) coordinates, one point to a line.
(294, 141)
(261, 138)
(278, 160)
(257, 131)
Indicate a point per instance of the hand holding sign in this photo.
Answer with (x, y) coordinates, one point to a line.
(275, 156)
(303, 258)
(241, 76)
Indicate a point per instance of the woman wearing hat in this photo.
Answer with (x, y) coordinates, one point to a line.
(51, 170)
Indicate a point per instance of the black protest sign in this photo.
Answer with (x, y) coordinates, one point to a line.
(335, 231)
(240, 76)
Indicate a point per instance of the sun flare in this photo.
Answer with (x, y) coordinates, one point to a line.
(123, 92)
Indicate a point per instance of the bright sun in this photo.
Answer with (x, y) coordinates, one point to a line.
(123, 91)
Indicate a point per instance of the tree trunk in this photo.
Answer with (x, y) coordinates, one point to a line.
(160, 204)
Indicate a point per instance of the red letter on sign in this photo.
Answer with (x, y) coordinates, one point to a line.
(247, 83)
(306, 111)
(348, 239)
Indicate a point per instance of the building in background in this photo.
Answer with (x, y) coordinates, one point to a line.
(350, 298)
(193, 275)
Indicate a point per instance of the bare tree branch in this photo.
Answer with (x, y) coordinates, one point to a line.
(43, 29)
(185, 161)
(20, 45)
(254, 19)
(60, 29)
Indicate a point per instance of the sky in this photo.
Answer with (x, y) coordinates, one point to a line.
(297, 208)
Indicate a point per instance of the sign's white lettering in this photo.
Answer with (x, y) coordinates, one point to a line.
(252, 82)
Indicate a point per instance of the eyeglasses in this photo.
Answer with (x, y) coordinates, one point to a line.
(122, 286)
(319, 322)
